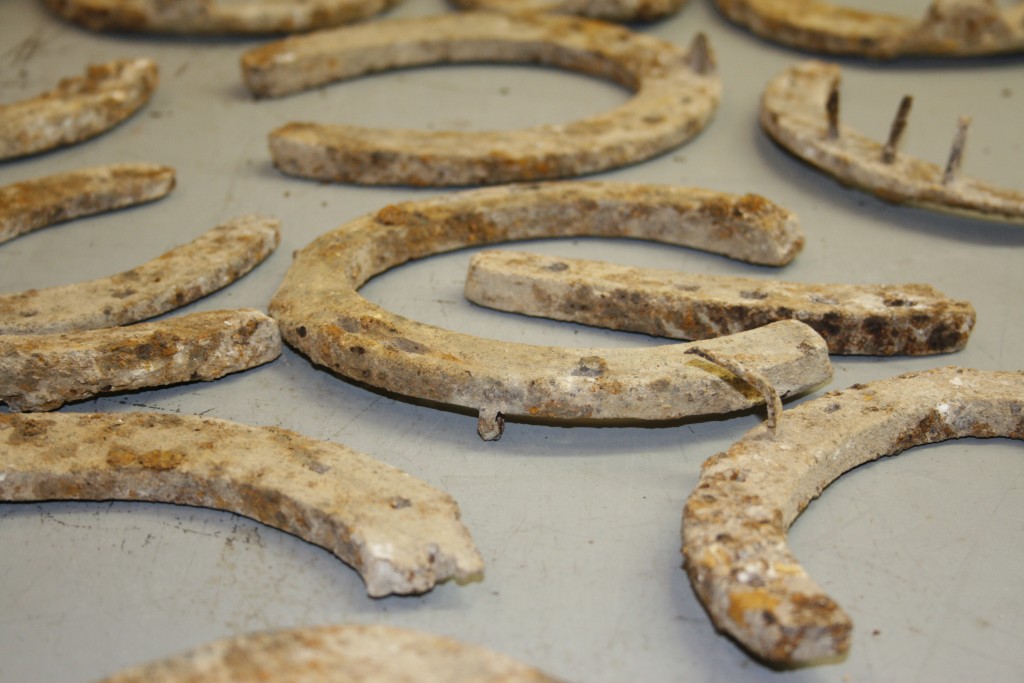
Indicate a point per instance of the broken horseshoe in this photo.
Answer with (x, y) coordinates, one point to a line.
(736, 520)
(402, 535)
(800, 111)
(675, 94)
(950, 27)
(321, 313)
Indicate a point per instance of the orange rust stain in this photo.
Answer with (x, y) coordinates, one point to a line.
(158, 459)
(758, 599)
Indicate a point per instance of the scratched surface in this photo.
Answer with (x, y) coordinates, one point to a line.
(579, 526)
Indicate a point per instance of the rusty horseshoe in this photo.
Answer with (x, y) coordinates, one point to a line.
(675, 95)
(736, 520)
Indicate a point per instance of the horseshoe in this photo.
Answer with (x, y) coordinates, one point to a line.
(321, 313)
(211, 261)
(252, 17)
(800, 111)
(675, 94)
(608, 10)
(735, 521)
(42, 372)
(37, 203)
(78, 108)
(401, 535)
(877, 320)
(949, 28)
(326, 654)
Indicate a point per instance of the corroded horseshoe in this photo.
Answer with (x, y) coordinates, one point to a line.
(216, 16)
(78, 108)
(675, 94)
(37, 203)
(800, 111)
(949, 28)
(736, 520)
(330, 654)
(912, 319)
(45, 371)
(609, 10)
(321, 313)
(211, 261)
(401, 534)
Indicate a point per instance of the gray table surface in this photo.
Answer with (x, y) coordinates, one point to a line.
(579, 526)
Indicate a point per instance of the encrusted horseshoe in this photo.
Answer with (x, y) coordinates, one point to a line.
(800, 111)
(331, 654)
(216, 16)
(321, 313)
(675, 94)
(949, 27)
(736, 520)
(33, 204)
(213, 260)
(912, 319)
(78, 108)
(44, 371)
(609, 10)
(402, 535)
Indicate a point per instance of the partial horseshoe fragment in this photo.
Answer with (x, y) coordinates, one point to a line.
(42, 372)
(675, 94)
(736, 520)
(880, 320)
(33, 204)
(249, 17)
(321, 313)
(949, 28)
(78, 108)
(331, 654)
(211, 261)
(800, 111)
(608, 10)
(402, 535)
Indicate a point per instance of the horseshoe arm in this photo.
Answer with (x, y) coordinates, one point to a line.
(399, 533)
(736, 520)
(211, 261)
(33, 204)
(78, 108)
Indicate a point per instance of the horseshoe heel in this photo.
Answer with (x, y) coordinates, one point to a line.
(37, 203)
(325, 654)
(321, 313)
(615, 10)
(211, 261)
(854, 319)
(949, 28)
(402, 535)
(42, 372)
(800, 111)
(215, 16)
(675, 94)
(736, 520)
(78, 108)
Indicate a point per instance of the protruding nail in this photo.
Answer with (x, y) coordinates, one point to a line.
(700, 57)
(956, 152)
(832, 110)
(899, 124)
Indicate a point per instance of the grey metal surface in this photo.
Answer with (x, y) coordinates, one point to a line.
(579, 526)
